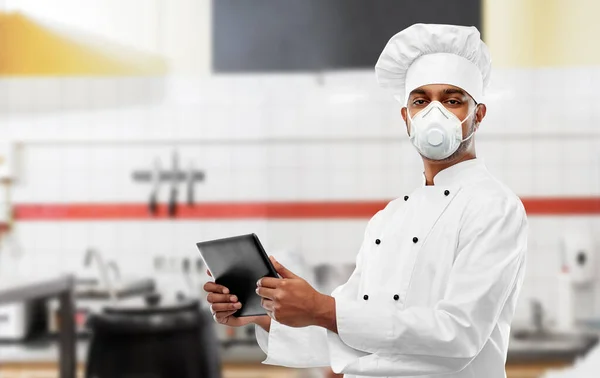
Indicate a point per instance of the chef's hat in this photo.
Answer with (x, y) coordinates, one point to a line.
(435, 54)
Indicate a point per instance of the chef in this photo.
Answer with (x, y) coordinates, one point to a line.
(440, 268)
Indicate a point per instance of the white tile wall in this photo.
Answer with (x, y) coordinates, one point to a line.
(278, 138)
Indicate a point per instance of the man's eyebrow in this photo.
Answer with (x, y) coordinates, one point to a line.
(418, 91)
(454, 91)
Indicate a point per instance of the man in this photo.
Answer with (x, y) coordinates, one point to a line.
(439, 271)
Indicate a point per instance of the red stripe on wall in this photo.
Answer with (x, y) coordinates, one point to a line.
(562, 206)
(269, 210)
(210, 210)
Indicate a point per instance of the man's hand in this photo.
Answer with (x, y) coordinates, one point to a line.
(291, 300)
(223, 305)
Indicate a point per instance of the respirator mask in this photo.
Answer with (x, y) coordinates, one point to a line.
(436, 132)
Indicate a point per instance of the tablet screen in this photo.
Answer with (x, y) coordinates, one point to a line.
(238, 263)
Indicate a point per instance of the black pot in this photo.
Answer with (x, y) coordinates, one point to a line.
(155, 340)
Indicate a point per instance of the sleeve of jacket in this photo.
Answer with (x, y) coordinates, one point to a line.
(304, 347)
(445, 338)
(293, 347)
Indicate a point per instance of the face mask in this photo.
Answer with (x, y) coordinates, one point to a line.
(436, 132)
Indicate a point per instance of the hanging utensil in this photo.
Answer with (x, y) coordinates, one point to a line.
(174, 183)
(153, 203)
(190, 185)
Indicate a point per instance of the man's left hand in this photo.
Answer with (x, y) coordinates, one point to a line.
(290, 300)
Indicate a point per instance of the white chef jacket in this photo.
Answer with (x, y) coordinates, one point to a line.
(434, 290)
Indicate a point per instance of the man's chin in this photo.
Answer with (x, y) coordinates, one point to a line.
(456, 155)
(448, 159)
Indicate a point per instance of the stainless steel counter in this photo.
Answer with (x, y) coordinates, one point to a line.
(530, 346)
(36, 352)
(526, 353)
(48, 351)
(60, 287)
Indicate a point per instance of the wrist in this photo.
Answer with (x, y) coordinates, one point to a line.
(325, 312)
(263, 321)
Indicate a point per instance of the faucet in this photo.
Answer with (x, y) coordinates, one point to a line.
(102, 270)
(115, 268)
(537, 315)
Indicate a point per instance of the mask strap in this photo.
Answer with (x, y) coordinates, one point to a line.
(411, 133)
(470, 114)
(470, 135)
(408, 114)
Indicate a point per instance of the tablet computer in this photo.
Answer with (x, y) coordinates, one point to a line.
(237, 263)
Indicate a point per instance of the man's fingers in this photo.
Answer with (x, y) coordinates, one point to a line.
(267, 304)
(222, 317)
(282, 270)
(221, 298)
(266, 292)
(218, 307)
(212, 287)
(269, 282)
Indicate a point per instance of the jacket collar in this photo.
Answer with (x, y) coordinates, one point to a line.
(460, 172)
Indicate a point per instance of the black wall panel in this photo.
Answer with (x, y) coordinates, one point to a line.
(313, 35)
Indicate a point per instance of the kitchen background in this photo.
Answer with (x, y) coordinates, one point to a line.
(99, 96)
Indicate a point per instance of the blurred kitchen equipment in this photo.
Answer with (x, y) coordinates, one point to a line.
(15, 319)
(190, 185)
(112, 265)
(153, 203)
(576, 278)
(90, 297)
(585, 366)
(578, 257)
(61, 287)
(330, 276)
(94, 255)
(81, 312)
(159, 264)
(19, 320)
(565, 317)
(537, 316)
(174, 185)
(153, 339)
(324, 275)
(346, 271)
(186, 269)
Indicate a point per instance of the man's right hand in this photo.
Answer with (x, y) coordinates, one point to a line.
(223, 305)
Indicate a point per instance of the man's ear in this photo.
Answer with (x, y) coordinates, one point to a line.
(480, 113)
(404, 113)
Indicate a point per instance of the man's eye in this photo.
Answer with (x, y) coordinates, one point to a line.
(418, 102)
(453, 102)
